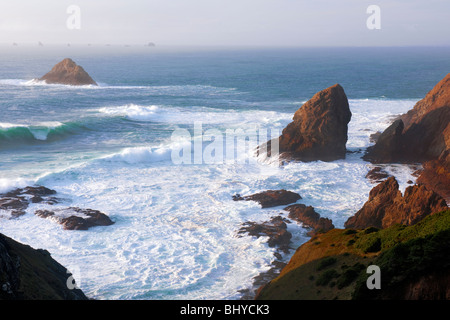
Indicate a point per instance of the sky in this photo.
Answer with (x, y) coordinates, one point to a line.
(293, 23)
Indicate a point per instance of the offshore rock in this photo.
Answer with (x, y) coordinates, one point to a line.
(69, 73)
(318, 130)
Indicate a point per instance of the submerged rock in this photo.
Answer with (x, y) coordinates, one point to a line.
(271, 198)
(69, 73)
(318, 130)
(387, 206)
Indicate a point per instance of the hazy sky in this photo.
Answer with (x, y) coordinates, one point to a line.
(227, 22)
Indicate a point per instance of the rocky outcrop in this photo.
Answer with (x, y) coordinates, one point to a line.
(73, 218)
(387, 206)
(422, 135)
(32, 274)
(318, 130)
(377, 175)
(69, 73)
(275, 230)
(309, 218)
(16, 202)
(436, 176)
(270, 198)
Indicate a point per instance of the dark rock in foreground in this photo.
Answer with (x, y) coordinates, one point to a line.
(387, 206)
(69, 73)
(30, 274)
(318, 130)
(309, 218)
(271, 198)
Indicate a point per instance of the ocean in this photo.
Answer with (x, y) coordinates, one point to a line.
(111, 148)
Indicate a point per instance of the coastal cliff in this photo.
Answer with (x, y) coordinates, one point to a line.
(32, 274)
(406, 235)
(422, 135)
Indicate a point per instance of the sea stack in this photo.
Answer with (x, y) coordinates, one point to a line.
(421, 135)
(69, 73)
(319, 128)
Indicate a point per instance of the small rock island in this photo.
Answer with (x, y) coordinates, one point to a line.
(69, 73)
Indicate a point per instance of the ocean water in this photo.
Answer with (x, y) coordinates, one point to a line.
(112, 147)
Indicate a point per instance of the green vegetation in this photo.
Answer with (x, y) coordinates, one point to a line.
(333, 265)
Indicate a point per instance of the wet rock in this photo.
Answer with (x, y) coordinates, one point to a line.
(74, 218)
(271, 198)
(377, 175)
(17, 201)
(275, 229)
(309, 218)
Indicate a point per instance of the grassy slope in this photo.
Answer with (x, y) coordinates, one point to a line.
(333, 265)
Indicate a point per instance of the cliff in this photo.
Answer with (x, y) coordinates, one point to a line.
(422, 135)
(30, 274)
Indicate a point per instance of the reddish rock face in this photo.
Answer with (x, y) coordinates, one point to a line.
(421, 135)
(68, 72)
(319, 128)
(387, 206)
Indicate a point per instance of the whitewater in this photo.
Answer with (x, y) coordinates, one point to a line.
(110, 148)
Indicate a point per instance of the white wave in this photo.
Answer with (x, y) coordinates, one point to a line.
(40, 131)
(10, 184)
(178, 115)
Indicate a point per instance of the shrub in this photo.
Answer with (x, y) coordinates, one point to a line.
(326, 277)
(326, 263)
